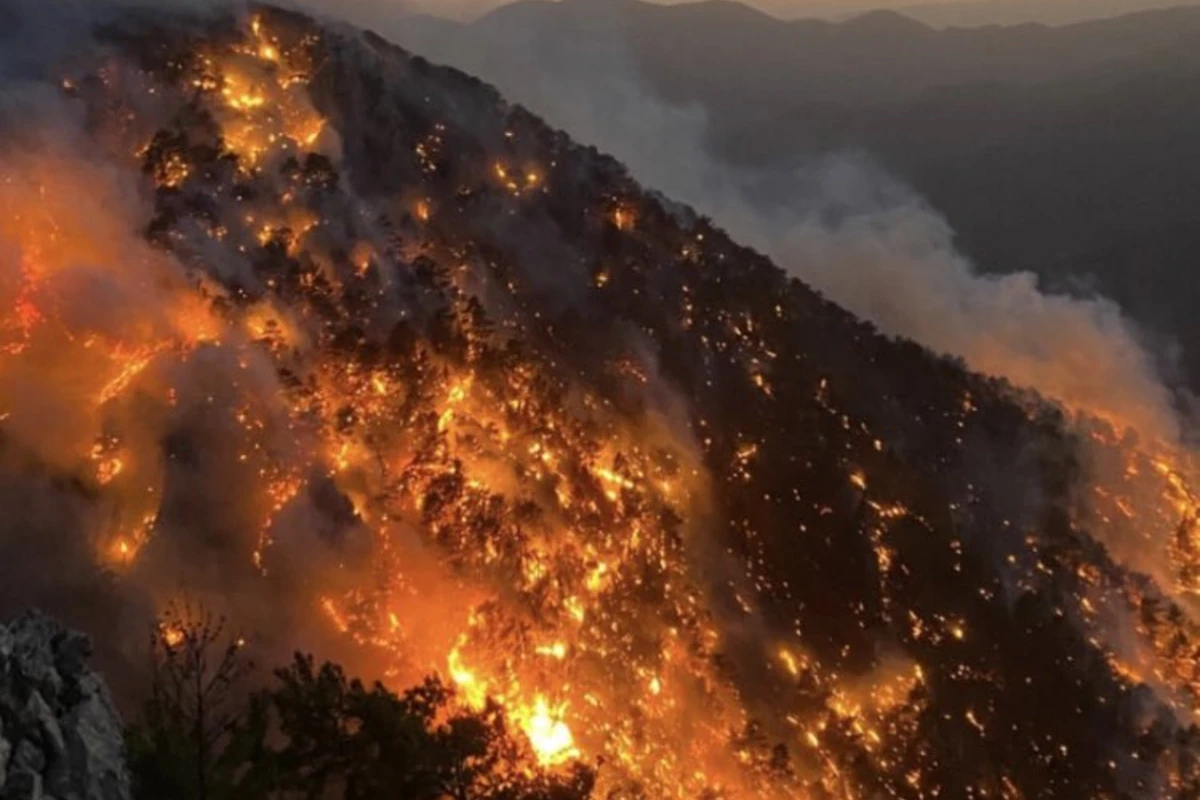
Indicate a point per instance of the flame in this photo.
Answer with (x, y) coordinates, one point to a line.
(549, 735)
(172, 635)
(526, 537)
(122, 551)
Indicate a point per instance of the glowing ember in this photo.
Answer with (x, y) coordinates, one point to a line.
(588, 553)
(172, 636)
(548, 733)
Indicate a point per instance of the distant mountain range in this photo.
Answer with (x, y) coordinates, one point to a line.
(967, 13)
(1016, 12)
(1073, 151)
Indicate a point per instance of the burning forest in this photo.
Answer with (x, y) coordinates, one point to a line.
(342, 343)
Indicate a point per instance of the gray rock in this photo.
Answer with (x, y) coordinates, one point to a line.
(41, 719)
(62, 739)
(28, 757)
(5, 752)
(71, 655)
(22, 785)
(31, 662)
(95, 747)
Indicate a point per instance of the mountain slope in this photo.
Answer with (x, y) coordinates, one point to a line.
(410, 374)
(1040, 146)
(690, 52)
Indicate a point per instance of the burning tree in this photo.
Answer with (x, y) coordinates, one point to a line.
(345, 739)
(202, 734)
(316, 733)
(667, 509)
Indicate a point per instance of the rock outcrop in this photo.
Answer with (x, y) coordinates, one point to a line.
(60, 736)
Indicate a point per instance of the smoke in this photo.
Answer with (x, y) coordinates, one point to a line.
(150, 450)
(880, 252)
(63, 246)
(835, 221)
(120, 387)
(239, 414)
(838, 223)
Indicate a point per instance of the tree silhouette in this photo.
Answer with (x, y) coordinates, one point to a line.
(200, 728)
(314, 733)
(350, 741)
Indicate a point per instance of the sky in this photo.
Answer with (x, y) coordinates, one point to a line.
(959, 12)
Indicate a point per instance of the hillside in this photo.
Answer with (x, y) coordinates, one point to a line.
(1042, 147)
(376, 362)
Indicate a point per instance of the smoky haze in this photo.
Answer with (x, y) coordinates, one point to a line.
(251, 448)
(838, 222)
(59, 174)
(968, 12)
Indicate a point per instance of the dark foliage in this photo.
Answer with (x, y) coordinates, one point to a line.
(315, 733)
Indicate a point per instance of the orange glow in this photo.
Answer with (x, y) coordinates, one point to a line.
(172, 636)
(552, 740)
(499, 523)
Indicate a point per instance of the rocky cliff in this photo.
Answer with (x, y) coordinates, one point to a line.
(60, 736)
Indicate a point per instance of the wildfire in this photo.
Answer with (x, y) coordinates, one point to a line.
(122, 551)
(548, 733)
(172, 636)
(623, 219)
(528, 536)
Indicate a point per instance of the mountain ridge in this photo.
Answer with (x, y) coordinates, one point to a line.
(442, 388)
(1034, 143)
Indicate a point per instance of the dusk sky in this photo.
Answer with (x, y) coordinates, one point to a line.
(959, 12)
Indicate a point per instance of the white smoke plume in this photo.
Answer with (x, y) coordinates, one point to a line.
(838, 223)
(185, 480)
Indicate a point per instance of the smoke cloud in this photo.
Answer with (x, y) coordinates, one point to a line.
(114, 369)
(239, 414)
(836, 222)
(965, 13)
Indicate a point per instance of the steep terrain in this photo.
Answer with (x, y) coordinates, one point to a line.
(348, 346)
(59, 734)
(1046, 149)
